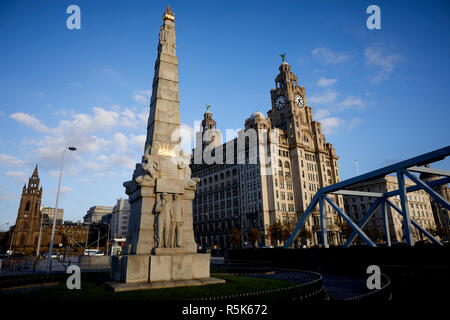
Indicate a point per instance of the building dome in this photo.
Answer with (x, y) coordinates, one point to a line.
(257, 115)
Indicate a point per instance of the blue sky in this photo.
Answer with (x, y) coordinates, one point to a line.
(381, 95)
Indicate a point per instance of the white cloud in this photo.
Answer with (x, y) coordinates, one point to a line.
(105, 119)
(19, 176)
(321, 113)
(65, 190)
(354, 122)
(330, 125)
(377, 56)
(351, 102)
(9, 160)
(324, 82)
(142, 96)
(102, 157)
(326, 97)
(60, 112)
(128, 118)
(99, 147)
(123, 160)
(138, 141)
(30, 121)
(327, 56)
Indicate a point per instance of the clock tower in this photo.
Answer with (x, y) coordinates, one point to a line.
(313, 161)
(288, 103)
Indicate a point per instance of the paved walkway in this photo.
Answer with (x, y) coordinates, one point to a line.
(341, 287)
(338, 287)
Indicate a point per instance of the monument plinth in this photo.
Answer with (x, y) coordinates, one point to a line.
(160, 250)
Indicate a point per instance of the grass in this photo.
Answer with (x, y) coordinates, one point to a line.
(92, 288)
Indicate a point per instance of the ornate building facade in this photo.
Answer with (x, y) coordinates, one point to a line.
(420, 209)
(240, 192)
(441, 215)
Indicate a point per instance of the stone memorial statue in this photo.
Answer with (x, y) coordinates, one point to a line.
(164, 211)
(160, 249)
(177, 222)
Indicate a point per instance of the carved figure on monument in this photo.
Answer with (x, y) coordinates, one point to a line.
(149, 165)
(163, 209)
(177, 221)
(190, 182)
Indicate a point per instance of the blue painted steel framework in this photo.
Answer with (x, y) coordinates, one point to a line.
(402, 169)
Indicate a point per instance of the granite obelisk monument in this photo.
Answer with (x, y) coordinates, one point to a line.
(160, 250)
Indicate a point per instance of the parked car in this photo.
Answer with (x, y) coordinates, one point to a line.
(89, 252)
(93, 252)
(54, 256)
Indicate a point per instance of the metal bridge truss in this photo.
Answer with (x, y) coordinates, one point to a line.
(402, 169)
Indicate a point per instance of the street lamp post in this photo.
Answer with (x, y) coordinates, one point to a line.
(50, 249)
(38, 251)
(107, 239)
(98, 238)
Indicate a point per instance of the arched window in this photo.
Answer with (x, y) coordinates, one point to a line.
(280, 164)
(286, 164)
(27, 206)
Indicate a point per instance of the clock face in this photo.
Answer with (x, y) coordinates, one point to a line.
(279, 102)
(299, 100)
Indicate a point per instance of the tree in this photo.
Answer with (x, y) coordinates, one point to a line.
(275, 232)
(287, 231)
(438, 232)
(253, 236)
(346, 230)
(235, 237)
(305, 233)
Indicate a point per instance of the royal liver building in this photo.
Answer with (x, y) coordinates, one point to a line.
(268, 174)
